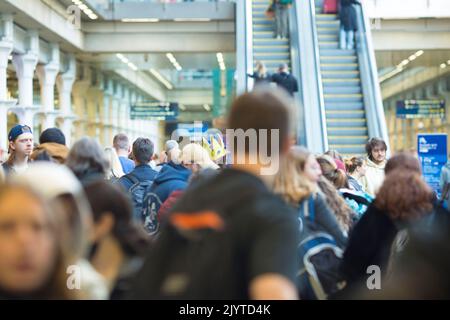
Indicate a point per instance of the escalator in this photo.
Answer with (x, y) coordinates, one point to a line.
(339, 105)
(272, 52)
(341, 80)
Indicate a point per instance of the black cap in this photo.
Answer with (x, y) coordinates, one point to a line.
(52, 135)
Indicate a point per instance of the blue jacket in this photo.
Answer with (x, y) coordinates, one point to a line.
(127, 164)
(171, 177)
(142, 172)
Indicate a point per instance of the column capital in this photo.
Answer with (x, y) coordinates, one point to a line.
(25, 64)
(6, 19)
(47, 73)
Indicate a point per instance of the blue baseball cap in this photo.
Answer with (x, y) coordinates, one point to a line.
(17, 130)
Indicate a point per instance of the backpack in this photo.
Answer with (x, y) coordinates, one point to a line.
(144, 203)
(192, 255)
(319, 274)
(151, 206)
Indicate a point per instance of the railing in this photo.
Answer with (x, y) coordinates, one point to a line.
(307, 60)
(373, 102)
(244, 45)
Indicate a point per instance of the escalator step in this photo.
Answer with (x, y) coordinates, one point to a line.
(339, 66)
(343, 90)
(360, 131)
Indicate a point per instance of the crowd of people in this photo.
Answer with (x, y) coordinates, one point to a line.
(124, 223)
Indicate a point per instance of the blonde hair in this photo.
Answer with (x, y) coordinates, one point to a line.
(261, 69)
(115, 166)
(291, 183)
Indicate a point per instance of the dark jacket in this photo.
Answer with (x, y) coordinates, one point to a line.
(91, 176)
(7, 168)
(369, 244)
(171, 177)
(348, 16)
(142, 172)
(324, 220)
(286, 81)
(259, 79)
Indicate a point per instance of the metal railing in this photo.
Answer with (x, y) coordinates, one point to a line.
(311, 99)
(373, 102)
(244, 45)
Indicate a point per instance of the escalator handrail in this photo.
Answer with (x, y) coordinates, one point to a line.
(244, 45)
(320, 93)
(249, 42)
(376, 119)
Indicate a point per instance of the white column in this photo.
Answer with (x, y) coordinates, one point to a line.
(124, 104)
(25, 65)
(47, 78)
(117, 107)
(64, 83)
(79, 91)
(6, 46)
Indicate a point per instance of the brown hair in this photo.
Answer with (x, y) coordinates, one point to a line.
(261, 109)
(405, 160)
(105, 197)
(291, 183)
(343, 212)
(373, 143)
(353, 163)
(404, 195)
(56, 286)
(334, 154)
(331, 171)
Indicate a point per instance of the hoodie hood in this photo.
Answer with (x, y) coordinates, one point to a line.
(372, 164)
(172, 171)
(57, 151)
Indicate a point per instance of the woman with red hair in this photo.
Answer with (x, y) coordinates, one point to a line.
(403, 199)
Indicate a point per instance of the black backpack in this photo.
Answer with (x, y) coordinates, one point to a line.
(319, 274)
(144, 210)
(196, 262)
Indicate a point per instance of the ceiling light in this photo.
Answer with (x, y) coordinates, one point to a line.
(132, 66)
(139, 20)
(192, 19)
(83, 6)
(174, 61)
(161, 79)
(419, 53)
(182, 107)
(93, 16)
(448, 62)
(443, 66)
(207, 107)
(10, 57)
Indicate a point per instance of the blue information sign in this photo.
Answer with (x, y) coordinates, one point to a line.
(416, 109)
(432, 150)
